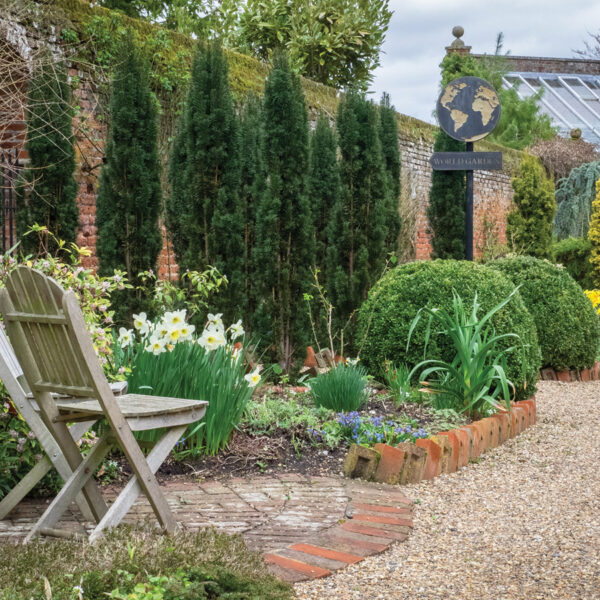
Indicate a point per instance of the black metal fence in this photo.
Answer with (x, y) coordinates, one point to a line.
(9, 172)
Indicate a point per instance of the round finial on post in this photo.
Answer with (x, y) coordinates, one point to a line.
(575, 133)
(458, 31)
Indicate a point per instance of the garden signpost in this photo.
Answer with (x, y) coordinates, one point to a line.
(468, 109)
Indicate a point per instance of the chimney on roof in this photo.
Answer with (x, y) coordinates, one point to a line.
(458, 46)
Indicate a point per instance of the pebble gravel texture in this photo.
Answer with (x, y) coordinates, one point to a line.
(522, 523)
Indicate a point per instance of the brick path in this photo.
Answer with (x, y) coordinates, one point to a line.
(306, 527)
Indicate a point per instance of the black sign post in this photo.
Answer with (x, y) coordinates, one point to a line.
(468, 109)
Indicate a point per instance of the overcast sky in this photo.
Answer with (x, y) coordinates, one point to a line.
(421, 29)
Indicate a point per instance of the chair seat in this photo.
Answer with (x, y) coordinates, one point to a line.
(142, 412)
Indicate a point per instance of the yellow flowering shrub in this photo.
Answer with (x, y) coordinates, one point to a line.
(594, 296)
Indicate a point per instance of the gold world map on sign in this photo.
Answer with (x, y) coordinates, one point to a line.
(468, 109)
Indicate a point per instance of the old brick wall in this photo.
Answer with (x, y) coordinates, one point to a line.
(492, 197)
(493, 192)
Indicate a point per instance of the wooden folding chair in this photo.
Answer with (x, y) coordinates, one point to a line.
(47, 330)
(11, 375)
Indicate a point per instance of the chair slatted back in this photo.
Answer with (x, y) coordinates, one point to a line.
(33, 307)
(11, 372)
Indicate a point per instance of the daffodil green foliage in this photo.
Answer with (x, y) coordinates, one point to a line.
(129, 197)
(46, 191)
(204, 215)
(529, 226)
(284, 248)
(594, 237)
(385, 318)
(342, 388)
(567, 325)
(574, 196)
(446, 210)
(357, 243)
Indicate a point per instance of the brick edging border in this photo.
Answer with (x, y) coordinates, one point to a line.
(445, 452)
(591, 374)
(375, 517)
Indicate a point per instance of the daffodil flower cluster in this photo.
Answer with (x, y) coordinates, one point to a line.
(173, 328)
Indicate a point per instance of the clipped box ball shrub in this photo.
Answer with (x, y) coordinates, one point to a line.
(574, 255)
(567, 325)
(386, 316)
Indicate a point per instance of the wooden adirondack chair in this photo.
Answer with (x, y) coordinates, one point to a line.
(47, 330)
(11, 375)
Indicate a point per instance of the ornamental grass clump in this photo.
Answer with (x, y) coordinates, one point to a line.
(166, 358)
(342, 388)
(475, 381)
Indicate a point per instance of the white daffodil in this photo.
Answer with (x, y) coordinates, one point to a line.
(215, 320)
(156, 345)
(211, 339)
(141, 323)
(175, 318)
(186, 331)
(253, 378)
(236, 330)
(353, 361)
(125, 337)
(174, 335)
(235, 355)
(162, 330)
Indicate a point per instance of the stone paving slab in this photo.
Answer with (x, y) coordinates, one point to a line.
(305, 526)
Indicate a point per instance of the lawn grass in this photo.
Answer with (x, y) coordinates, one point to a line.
(127, 556)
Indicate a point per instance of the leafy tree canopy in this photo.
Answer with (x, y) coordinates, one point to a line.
(521, 123)
(335, 42)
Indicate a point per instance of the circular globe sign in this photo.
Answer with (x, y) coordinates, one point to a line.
(468, 109)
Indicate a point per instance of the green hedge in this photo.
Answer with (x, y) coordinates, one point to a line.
(574, 255)
(385, 317)
(567, 324)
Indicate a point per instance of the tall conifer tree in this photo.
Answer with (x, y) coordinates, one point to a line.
(252, 187)
(324, 185)
(46, 194)
(388, 135)
(204, 215)
(284, 251)
(129, 197)
(357, 248)
(446, 210)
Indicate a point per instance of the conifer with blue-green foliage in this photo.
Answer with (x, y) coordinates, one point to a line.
(46, 192)
(284, 247)
(204, 214)
(129, 197)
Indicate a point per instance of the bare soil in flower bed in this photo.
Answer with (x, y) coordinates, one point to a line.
(284, 450)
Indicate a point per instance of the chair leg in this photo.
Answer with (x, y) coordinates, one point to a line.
(120, 507)
(24, 486)
(73, 485)
(38, 472)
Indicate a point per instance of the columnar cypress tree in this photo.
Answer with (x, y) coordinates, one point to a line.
(46, 194)
(204, 214)
(446, 210)
(129, 197)
(357, 250)
(324, 184)
(529, 227)
(252, 187)
(388, 135)
(284, 250)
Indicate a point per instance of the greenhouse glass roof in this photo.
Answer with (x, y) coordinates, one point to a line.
(571, 101)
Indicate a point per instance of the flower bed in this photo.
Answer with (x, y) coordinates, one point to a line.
(445, 452)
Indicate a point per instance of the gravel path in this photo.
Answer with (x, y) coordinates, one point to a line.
(523, 523)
